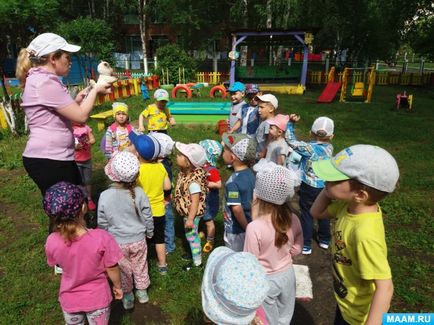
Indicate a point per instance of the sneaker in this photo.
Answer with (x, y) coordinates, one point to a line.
(142, 296)
(162, 269)
(57, 270)
(91, 205)
(306, 250)
(189, 266)
(128, 301)
(208, 247)
(324, 244)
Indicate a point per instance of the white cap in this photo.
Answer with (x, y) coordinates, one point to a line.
(48, 43)
(194, 152)
(323, 126)
(268, 98)
(370, 165)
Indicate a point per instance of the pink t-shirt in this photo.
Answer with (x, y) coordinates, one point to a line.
(81, 135)
(259, 241)
(84, 286)
(50, 133)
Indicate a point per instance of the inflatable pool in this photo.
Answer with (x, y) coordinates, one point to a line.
(199, 112)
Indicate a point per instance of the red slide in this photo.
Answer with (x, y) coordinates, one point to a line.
(329, 92)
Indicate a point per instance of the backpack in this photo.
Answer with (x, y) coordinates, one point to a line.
(113, 127)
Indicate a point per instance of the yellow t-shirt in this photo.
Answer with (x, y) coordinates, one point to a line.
(151, 180)
(359, 256)
(157, 118)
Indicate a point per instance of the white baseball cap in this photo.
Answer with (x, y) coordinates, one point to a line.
(268, 98)
(194, 152)
(323, 126)
(48, 43)
(370, 165)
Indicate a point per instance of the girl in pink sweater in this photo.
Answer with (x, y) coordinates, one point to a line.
(274, 237)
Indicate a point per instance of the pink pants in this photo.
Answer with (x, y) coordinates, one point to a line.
(134, 265)
(97, 317)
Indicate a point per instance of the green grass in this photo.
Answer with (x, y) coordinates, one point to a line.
(30, 289)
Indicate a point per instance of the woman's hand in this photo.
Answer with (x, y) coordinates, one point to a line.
(82, 95)
(104, 88)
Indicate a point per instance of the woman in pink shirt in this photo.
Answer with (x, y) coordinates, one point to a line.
(49, 154)
(274, 237)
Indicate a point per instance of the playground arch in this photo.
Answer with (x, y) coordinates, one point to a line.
(303, 36)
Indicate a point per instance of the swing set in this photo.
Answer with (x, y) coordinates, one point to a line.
(362, 85)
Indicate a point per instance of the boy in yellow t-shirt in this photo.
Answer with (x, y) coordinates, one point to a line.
(154, 180)
(157, 114)
(357, 178)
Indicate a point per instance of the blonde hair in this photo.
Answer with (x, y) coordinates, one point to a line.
(68, 228)
(280, 218)
(27, 60)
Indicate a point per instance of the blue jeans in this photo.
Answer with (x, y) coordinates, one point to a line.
(169, 231)
(308, 194)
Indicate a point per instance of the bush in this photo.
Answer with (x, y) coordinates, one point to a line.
(170, 58)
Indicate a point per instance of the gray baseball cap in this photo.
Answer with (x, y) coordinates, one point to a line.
(370, 165)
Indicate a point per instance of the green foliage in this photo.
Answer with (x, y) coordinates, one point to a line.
(93, 35)
(421, 36)
(171, 57)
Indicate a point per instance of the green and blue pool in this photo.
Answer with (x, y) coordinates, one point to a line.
(199, 112)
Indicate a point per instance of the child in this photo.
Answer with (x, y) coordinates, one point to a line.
(190, 195)
(275, 237)
(319, 148)
(87, 257)
(154, 180)
(266, 108)
(124, 211)
(357, 178)
(237, 98)
(277, 149)
(248, 116)
(116, 137)
(166, 147)
(233, 287)
(213, 151)
(157, 114)
(83, 157)
(238, 150)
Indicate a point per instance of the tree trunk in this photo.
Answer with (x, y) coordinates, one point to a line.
(268, 25)
(243, 49)
(142, 25)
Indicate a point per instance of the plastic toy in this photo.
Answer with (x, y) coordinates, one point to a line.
(404, 101)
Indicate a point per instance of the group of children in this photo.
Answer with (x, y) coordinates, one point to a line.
(261, 230)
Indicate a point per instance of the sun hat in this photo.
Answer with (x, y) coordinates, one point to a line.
(194, 152)
(161, 94)
(122, 167)
(47, 43)
(147, 146)
(323, 126)
(268, 98)
(241, 145)
(213, 150)
(274, 183)
(370, 165)
(252, 89)
(119, 107)
(166, 143)
(63, 201)
(234, 285)
(237, 86)
(280, 120)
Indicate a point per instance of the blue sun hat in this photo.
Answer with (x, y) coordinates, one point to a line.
(234, 285)
(148, 147)
(63, 201)
(213, 150)
(237, 86)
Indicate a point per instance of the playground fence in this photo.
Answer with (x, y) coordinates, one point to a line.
(212, 78)
(383, 78)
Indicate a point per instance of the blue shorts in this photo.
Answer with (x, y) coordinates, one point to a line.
(211, 207)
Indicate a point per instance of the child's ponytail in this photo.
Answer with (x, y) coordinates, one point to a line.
(131, 187)
(68, 228)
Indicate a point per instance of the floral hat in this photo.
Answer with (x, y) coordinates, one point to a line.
(63, 201)
(123, 167)
(213, 150)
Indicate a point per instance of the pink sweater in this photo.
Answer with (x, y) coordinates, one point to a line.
(259, 241)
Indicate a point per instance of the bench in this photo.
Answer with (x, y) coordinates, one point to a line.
(101, 118)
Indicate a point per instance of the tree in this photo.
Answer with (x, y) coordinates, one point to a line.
(171, 58)
(420, 33)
